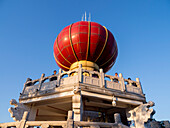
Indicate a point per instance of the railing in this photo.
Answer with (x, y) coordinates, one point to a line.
(70, 123)
(81, 75)
(62, 124)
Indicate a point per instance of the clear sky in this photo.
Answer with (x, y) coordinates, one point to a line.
(28, 29)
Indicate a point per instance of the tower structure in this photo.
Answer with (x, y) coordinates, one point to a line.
(81, 94)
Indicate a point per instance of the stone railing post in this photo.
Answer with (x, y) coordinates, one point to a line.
(70, 121)
(25, 86)
(80, 73)
(59, 76)
(122, 82)
(70, 115)
(41, 81)
(102, 81)
(23, 121)
(4, 126)
(45, 125)
(117, 118)
(139, 84)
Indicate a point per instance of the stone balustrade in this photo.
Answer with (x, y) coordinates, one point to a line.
(70, 123)
(80, 75)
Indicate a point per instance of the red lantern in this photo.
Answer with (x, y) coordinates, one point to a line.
(85, 41)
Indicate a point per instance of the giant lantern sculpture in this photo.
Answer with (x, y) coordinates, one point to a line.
(86, 43)
(81, 94)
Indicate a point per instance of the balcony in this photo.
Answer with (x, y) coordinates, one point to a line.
(45, 85)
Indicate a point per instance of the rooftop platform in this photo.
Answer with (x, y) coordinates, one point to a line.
(91, 83)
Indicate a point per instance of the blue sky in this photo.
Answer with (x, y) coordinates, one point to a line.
(142, 30)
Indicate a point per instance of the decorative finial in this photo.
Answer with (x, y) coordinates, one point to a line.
(85, 16)
(89, 19)
(82, 18)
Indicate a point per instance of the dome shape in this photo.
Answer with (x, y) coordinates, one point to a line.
(85, 41)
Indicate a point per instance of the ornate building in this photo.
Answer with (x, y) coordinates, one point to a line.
(81, 94)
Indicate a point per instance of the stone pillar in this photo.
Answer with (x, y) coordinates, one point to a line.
(139, 85)
(77, 104)
(70, 121)
(122, 82)
(80, 73)
(41, 81)
(102, 81)
(117, 118)
(59, 76)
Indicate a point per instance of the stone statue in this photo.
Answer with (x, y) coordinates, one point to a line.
(141, 114)
(18, 111)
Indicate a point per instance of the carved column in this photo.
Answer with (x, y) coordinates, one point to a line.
(77, 104)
